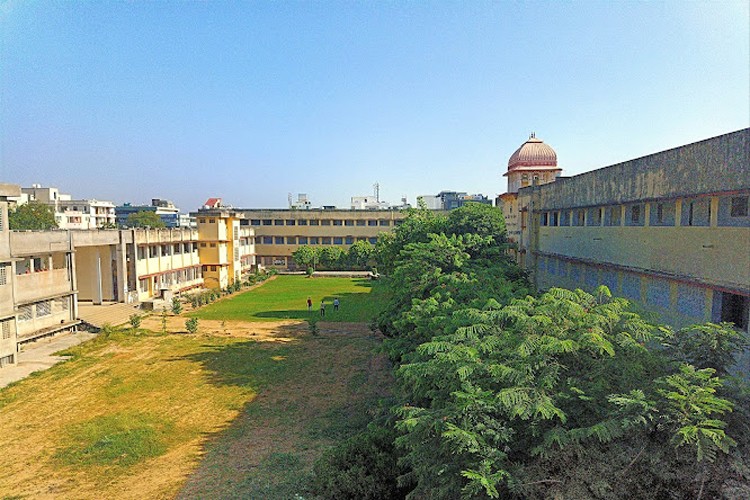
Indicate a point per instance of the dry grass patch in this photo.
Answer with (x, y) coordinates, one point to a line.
(132, 415)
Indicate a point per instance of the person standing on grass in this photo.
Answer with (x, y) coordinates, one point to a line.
(309, 304)
(336, 304)
(322, 308)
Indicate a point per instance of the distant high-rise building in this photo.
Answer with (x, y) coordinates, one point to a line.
(70, 213)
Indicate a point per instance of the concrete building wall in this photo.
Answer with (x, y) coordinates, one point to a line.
(670, 230)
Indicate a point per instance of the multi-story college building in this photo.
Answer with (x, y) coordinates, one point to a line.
(670, 230)
(279, 232)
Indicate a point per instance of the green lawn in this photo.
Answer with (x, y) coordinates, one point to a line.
(286, 298)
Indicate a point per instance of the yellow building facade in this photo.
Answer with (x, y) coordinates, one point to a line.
(226, 249)
(279, 232)
(670, 230)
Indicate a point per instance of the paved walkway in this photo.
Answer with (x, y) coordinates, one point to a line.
(110, 313)
(39, 355)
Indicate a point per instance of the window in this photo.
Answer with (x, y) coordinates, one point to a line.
(165, 250)
(291, 240)
(25, 313)
(314, 222)
(348, 222)
(213, 268)
(3, 274)
(212, 245)
(266, 222)
(634, 215)
(153, 251)
(291, 222)
(301, 222)
(278, 222)
(212, 221)
(203, 245)
(659, 213)
(594, 217)
(255, 222)
(267, 240)
(175, 249)
(385, 223)
(372, 222)
(326, 240)
(349, 240)
(62, 303)
(338, 241)
(544, 219)
(361, 222)
(43, 308)
(325, 222)
(5, 327)
(739, 206)
(612, 216)
(578, 217)
(302, 240)
(337, 222)
(373, 240)
(314, 240)
(554, 218)
(202, 220)
(279, 240)
(696, 212)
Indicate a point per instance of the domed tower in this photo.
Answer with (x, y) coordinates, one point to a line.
(532, 164)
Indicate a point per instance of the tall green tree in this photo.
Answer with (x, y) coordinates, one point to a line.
(306, 256)
(32, 216)
(145, 219)
(360, 255)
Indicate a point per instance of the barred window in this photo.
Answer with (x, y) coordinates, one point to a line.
(43, 308)
(3, 274)
(25, 313)
(5, 327)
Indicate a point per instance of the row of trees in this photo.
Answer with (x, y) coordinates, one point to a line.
(566, 394)
(358, 256)
(37, 216)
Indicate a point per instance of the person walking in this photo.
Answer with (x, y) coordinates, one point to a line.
(322, 308)
(309, 304)
(336, 304)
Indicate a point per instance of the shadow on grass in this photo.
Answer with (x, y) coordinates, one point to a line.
(252, 364)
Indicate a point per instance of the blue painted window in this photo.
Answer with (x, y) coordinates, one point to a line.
(634, 215)
(576, 272)
(338, 241)
(612, 216)
(592, 278)
(302, 240)
(691, 300)
(631, 286)
(565, 218)
(696, 212)
(733, 211)
(594, 217)
(657, 293)
(662, 213)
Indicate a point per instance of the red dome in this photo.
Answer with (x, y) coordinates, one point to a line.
(533, 153)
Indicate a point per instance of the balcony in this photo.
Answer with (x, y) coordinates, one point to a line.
(41, 284)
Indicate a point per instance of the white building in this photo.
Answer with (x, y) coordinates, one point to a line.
(70, 213)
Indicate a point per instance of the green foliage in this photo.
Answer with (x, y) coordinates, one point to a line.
(176, 305)
(357, 257)
(364, 466)
(709, 345)
(192, 325)
(135, 321)
(145, 219)
(32, 216)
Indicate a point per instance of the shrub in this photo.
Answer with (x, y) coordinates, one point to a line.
(176, 305)
(364, 466)
(135, 321)
(192, 325)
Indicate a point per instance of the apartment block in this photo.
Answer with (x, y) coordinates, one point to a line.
(226, 248)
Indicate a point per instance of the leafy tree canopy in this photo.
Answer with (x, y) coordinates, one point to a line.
(32, 216)
(145, 219)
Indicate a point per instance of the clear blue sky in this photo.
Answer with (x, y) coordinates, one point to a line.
(249, 101)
